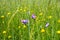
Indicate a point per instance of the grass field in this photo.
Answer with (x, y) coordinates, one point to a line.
(45, 25)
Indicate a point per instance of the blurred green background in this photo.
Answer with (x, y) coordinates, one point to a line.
(12, 11)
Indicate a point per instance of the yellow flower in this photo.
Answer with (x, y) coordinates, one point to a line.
(4, 32)
(24, 10)
(24, 26)
(42, 30)
(2, 21)
(21, 9)
(2, 16)
(9, 36)
(17, 10)
(18, 26)
(58, 32)
(41, 14)
(58, 21)
(49, 17)
(8, 13)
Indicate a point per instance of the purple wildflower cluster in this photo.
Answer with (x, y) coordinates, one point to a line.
(33, 17)
(26, 21)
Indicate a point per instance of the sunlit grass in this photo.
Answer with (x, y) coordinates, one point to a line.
(47, 12)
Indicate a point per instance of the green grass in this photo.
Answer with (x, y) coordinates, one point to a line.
(20, 9)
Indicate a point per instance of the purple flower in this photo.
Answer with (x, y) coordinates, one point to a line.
(47, 24)
(33, 16)
(24, 21)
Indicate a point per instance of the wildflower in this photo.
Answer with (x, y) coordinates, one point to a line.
(58, 21)
(21, 9)
(42, 30)
(4, 32)
(41, 14)
(2, 16)
(49, 17)
(24, 21)
(58, 32)
(18, 26)
(47, 24)
(33, 16)
(17, 10)
(24, 26)
(9, 37)
(24, 10)
(8, 13)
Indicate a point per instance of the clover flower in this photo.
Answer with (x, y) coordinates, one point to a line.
(47, 24)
